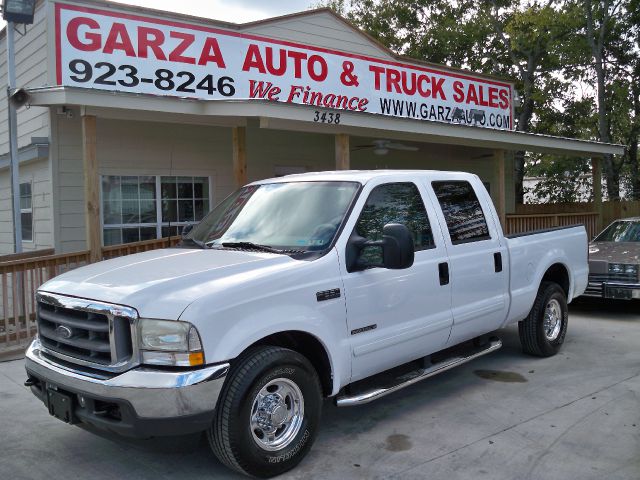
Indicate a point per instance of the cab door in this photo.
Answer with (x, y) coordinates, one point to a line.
(395, 316)
(477, 259)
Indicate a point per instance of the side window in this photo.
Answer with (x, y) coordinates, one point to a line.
(394, 203)
(26, 212)
(462, 211)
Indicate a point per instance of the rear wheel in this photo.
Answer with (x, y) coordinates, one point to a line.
(268, 413)
(542, 333)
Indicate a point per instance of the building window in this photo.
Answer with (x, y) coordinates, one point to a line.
(26, 212)
(136, 208)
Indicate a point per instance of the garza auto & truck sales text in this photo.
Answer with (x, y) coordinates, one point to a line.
(341, 75)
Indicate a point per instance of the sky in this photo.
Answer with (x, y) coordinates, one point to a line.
(236, 11)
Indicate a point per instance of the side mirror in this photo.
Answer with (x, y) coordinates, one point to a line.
(185, 230)
(397, 249)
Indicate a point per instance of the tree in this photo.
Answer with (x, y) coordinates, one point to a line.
(507, 38)
(563, 179)
(341, 7)
(548, 47)
(633, 137)
(534, 37)
(603, 55)
(601, 29)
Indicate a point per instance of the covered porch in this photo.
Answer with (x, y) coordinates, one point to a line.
(96, 135)
(242, 141)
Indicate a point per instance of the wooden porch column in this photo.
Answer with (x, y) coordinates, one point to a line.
(596, 174)
(500, 191)
(343, 160)
(91, 188)
(240, 155)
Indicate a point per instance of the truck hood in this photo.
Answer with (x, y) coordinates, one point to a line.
(162, 283)
(615, 252)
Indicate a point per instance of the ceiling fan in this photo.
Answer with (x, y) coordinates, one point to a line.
(382, 147)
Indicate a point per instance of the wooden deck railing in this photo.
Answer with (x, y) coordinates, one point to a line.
(528, 223)
(137, 247)
(20, 278)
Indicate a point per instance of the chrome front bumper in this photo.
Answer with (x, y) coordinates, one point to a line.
(151, 394)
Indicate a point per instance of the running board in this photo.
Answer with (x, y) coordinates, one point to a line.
(350, 400)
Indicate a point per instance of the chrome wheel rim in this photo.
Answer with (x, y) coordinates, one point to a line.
(552, 319)
(277, 414)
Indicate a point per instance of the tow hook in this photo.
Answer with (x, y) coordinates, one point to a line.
(30, 382)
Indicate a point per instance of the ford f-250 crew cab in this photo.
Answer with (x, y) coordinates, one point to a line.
(341, 284)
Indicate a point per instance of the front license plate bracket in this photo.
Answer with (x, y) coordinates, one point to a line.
(60, 405)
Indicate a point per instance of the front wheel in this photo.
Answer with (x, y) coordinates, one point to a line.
(542, 333)
(268, 413)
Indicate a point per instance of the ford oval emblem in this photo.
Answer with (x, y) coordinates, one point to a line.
(63, 332)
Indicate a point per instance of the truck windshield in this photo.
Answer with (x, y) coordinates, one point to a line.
(299, 216)
(620, 232)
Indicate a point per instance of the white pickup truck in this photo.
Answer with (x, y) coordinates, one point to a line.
(348, 285)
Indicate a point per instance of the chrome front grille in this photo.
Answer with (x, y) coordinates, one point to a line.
(85, 332)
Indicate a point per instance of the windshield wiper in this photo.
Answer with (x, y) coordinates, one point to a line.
(197, 243)
(252, 246)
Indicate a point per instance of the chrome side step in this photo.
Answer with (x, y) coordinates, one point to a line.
(346, 400)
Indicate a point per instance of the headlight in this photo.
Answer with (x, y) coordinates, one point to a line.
(167, 342)
(616, 268)
(622, 268)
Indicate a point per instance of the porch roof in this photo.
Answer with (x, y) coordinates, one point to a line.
(283, 116)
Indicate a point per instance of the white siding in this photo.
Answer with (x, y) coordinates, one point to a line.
(154, 148)
(6, 219)
(31, 71)
(428, 157)
(439, 157)
(268, 149)
(320, 29)
(37, 173)
(135, 148)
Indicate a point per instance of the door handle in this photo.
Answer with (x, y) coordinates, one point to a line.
(497, 261)
(443, 270)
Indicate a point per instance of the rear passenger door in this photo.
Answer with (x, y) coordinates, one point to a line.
(479, 281)
(395, 316)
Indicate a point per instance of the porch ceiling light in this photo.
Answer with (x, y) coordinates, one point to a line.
(18, 11)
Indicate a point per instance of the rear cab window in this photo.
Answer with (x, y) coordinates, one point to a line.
(462, 211)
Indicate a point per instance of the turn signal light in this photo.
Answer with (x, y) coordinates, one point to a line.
(196, 358)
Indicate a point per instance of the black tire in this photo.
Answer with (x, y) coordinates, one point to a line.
(231, 437)
(533, 339)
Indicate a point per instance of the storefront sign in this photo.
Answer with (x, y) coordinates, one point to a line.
(110, 50)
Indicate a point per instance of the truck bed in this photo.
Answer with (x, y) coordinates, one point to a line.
(530, 251)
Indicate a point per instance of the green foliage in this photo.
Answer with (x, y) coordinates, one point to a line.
(560, 53)
(562, 180)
